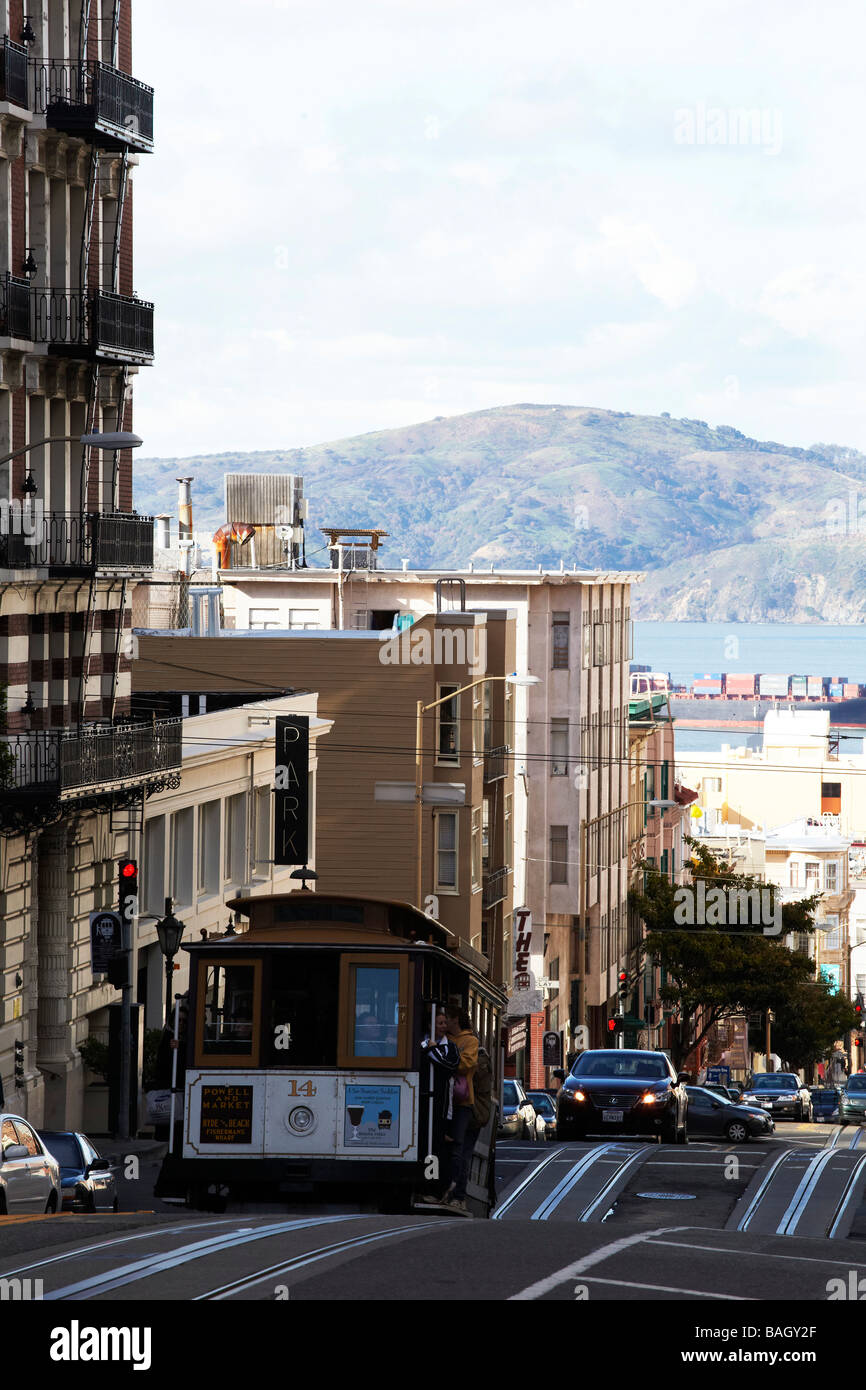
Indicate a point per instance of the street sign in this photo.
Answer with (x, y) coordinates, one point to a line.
(528, 966)
(291, 789)
(516, 1037)
(105, 940)
(721, 1076)
(551, 1050)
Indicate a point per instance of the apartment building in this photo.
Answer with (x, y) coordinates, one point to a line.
(367, 816)
(76, 769)
(804, 768)
(570, 749)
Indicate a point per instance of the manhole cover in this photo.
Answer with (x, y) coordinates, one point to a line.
(670, 1196)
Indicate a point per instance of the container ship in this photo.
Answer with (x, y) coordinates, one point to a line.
(712, 696)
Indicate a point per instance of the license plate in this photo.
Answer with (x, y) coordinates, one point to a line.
(611, 1117)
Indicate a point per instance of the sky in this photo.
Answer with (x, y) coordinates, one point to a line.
(364, 215)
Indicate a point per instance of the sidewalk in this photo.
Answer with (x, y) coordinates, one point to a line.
(142, 1148)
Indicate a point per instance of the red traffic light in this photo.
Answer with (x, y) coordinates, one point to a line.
(611, 1025)
(128, 869)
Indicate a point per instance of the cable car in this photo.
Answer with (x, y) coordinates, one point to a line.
(304, 1071)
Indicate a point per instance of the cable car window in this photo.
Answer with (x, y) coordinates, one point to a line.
(377, 1011)
(228, 1010)
(303, 1022)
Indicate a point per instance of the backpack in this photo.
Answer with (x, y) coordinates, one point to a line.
(482, 1085)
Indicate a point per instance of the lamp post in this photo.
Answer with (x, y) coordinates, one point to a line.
(512, 679)
(169, 930)
(118, 439)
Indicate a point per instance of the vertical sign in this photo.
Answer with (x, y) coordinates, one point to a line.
(291, 789)
(528, 961)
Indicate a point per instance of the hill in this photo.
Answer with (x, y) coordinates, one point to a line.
(728, 528)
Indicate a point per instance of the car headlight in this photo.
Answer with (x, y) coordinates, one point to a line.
(654, 1098)
(572, 1095)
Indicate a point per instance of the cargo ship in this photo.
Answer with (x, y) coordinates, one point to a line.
(721, 696)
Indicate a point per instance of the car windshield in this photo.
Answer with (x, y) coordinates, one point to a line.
(542, 1102)
(64, 1148)
(622, 1066)
(780, 1082)
(856, 1083)
(509, 1093)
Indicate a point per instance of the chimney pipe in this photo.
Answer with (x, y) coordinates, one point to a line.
(405, 564)
(184, 509)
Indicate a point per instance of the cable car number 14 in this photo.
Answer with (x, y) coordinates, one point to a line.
(301, 1088)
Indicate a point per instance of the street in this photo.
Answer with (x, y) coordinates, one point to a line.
(630, 1220)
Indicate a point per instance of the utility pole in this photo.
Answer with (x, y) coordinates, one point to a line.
(769, 1018)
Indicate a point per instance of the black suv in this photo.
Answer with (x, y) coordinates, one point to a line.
(613, 1091)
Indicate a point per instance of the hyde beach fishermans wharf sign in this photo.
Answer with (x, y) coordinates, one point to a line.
(291, 789)
(527, 966)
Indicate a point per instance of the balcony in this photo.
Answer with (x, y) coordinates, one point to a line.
(495, 763)
(41, 772)
(91, 324)
(96, 102)
(13, 74)
(73, 541)
(494, 888)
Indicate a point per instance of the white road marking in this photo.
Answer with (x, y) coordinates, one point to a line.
(578, 1267)
(761, 1254)
(666, 1288)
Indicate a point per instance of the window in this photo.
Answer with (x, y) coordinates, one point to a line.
(712, 784)
(478, 724)
(508, 833)
(154, 866)
(627, 635)
(28, 1139)
(617, 633)
(794, 873)
(446, 851)
(236, 866)
(374, 1011)
(832, 932)
(663, 791)
(553, 975)
(263, 619)
(228, 1014)
(208, 877)
(485, 836)
(558, 854)
(831, 797)
(558, 747)
(262, 806)
(304, 993)
(600, 631)
(831, 877)
(813, 875)
(509, 716)
(561, 625)
(181, 856)
(448, 720)
(303, 619)
(476, 849)
(586, 642)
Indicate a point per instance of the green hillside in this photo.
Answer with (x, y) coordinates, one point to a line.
(726, 527)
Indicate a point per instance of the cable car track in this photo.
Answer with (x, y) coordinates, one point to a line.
(581, 1194)
(801, 1193)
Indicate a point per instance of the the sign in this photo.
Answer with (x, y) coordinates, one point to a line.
(291, 789)
(551, 1050)
(372, 1117)
(528, 963)
(105, 940)
(516, 1037)
(720, 1076)
(226, 1115)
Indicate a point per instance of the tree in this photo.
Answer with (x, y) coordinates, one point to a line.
(714, 969)
(809, 1021)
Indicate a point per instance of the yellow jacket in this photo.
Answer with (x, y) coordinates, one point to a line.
(467, 1045)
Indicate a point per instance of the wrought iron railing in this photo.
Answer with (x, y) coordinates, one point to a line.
(494, 888)
(96, 99)
(31, 538)
(495, 763)
(108, 325)
(13, 73)
(58, 761)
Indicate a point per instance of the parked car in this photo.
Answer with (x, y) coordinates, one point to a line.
(545, 1110)
(727, 1092)
(86, 1180)
(29, 1175)
(710, 1113)
(780, 1092)
(517, 1118)
(825, 1103)
(852, 1102)
(613, 1091)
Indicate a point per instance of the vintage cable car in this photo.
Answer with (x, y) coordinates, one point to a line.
(304, 1070)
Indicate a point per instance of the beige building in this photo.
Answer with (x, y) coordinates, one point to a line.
(570, 749)
(366, 820)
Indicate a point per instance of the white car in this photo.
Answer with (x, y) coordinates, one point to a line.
(29, 1175)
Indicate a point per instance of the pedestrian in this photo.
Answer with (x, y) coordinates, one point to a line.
(445, 1059)
(463, 1100)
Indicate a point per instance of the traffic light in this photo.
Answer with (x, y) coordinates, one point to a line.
(622, 989)
(128, 896)
(615, 1024)
(858, 1004)
(19, 1064)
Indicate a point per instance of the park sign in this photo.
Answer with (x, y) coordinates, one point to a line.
(528, 961)
(291, 789)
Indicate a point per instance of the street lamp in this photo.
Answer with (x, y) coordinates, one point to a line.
(511, 679)
(169, 930)
(111, 440)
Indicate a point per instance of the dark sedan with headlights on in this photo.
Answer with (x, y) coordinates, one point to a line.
(87, 1182)
(852, 1102)
(780, 1092)
(615, 1091)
